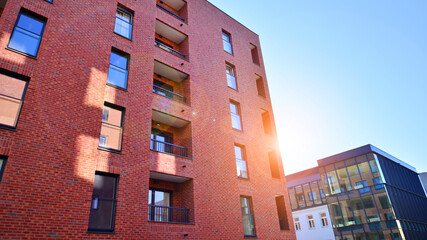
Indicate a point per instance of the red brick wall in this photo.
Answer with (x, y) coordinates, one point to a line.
(47, 185)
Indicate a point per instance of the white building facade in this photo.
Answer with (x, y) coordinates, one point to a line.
(313, 223)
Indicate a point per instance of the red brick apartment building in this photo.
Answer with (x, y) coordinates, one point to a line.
(135, 119)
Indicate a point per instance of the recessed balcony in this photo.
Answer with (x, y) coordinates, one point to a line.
(171, 83)
(171, 40)
(162, 207)
(176, 8)
(170, 135)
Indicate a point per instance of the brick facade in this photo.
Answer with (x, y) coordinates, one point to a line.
(53, 154)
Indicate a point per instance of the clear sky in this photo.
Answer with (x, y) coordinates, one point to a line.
(343, 74)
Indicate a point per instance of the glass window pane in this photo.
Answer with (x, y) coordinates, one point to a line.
(25, 41)
(117, 76)
(11, 87)
(118, 60)
(9, 111)
(30, 24)
(113, 117)
(112, 137)
(233, 108)
(235, 122)
(247, 217)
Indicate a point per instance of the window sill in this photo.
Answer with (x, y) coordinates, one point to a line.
(171, 222)
(110, 150)
(237, 130)
(115, 86)
(229, 53)
(8, 128)
(22, 53)
(130, 39)
(100, 232)
(233, 88)
(250, 236)
(244, 179)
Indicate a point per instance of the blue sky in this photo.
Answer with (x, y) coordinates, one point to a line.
(343, 74)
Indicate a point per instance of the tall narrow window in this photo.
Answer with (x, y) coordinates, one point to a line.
(310, 221)
(111, 128)
(324, 219)
(236, 121)
(239, 152)
(297, 224)
(247, 216)
(260, 86)
(103, 205)
(123, 24)
(226, 40)
(274, 165)
(281, 212)
(118, 71)
(312, 196)
(231, 76)
(2, 165)
(254, 53)
(12, 92)
(28, 32)
(266, 122)
(159, 202)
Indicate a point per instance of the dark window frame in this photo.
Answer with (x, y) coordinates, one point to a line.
(3, 166)
(152, 197)
(125, 55)
(35, 16)
(27, 82)
(123, 110)
(114, 200)
(123, 9)
(251, 209)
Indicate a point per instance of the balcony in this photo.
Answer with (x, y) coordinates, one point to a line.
(171, 40)
(170, 135)
(162, 207)
(171, 83)
(176, 8)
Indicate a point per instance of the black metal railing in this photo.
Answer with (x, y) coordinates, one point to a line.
(168, 214)
(165, 147)
(170, 12)
(168, 94)
(169, 49)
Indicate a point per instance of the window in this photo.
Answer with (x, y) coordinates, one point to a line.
(324, 219)
(297, 224)
(362, 186)
(163, 89)
(300, 196)
(254, 54)
(123, 24)
(2, 165)
(312, 196)
(274, 164)
(51, 1)
(118, 71)
(161, 141)
(27, 34)
(226, 40)
(231, 77)
(367, 202)
(373, 165)
(260, 86)
(247, 216)
(378, 183)
(103, 205)
(242, 171)
(385, 203)
(310, 222)
(266, 122)
(282, 214)
(12, 93)
(159, 202)
(111, 128)
(322, 193)
(236, 121)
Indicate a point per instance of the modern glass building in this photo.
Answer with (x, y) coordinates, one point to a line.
(373, 195)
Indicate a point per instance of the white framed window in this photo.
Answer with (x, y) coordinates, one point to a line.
(231, 76)
(226, 40)
(324, 219)
(236, 121)
(297, 224)
(310, 222)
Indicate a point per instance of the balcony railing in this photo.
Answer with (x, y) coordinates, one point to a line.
(169, 49)
(165, 147)
(168, 214)
(170, 12)
(168, 94)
